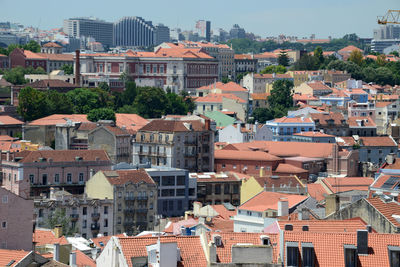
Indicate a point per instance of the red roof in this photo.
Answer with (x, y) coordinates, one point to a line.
(288, 168)
(349, 49)
(260, 96)
(318, 86)
(65, 156)
(230, 86)
(386, 209)
(190, 247)
(316, 191)
(342, 184)
(83, 260)
(293, 120)
(52, 44)
(382, 179)
(8, 255)
(303, 97)
(269, 200)
(313, 134)
(223, 212)
(272, 76)
(244, 155)
(8, 120)
(132, 122)
(125, 176)
(361, 122)
(59, 119)
(46, 237)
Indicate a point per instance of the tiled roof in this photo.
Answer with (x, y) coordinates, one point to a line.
(303, 97)
(230, 86)
(133, 176)
(382, 104)
(378, 141)
(51, 83)
(394, 166)
(8, 120)
(117, 130)
(269, 200)
(59, 119)
(244, 155)
(65, 156)
(286, 149)
(382, 179)
(57, 57)
(342, 184)
(355, 91)
(31, 55)
(324, 118)
(45, 237)
(101, 242)
(87, 126)
(266, 55)
(132, 122)
(224, 252)
(173, 126)
(82, 260)
(217, 98)
(223, 212)
(318, 86)
(243, 56)
(321, 226)
(386, 209)
(4, 83)
(313, 134)
(272, 76)
(52, 44)
(361, 121)
(349, 48)
(293, 120)
(288, 168)
(1, 55)
(191, 251)
(8, 255)
(316, 191)
(329, 247)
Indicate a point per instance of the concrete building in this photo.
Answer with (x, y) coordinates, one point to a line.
(244, 132)
(134, 196)
(237, 33)
(217, 188)
(245, 63)
(51, 48)
(262, 83)
(380, 45)
(332, 123)
(16, 219)
(30, 173)
(100, 30)
(313, 137)
(283, 128)
(387, 32)
(114, 140)
(178, 144)
(88, 216)
(10, 126)
(203, 28)
(133, 32)
(161, 34)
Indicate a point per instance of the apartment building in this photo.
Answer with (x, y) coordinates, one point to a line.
(245, 63)
(178, 144)
(133, 32)
(88, 216)
(16, 221)
(259, 83)
(283, 128)
(31, 173)
(134, 196)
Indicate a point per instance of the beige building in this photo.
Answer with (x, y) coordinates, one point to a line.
(134, 195)
(258, 83)
(314, 88)
(178, 144)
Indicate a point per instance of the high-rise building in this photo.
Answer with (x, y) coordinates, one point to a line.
(100, 30)
(203, 28)
(387, 32)
(237, 33)
(133, 31)
(161, 34)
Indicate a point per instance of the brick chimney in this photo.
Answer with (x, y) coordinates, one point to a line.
(77, 68)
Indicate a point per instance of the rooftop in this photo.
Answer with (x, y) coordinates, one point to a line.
(128, 176)
(43, 237)
(269, 201)
(66, 156)
(218, 98)
(173, 126)
(244, 155)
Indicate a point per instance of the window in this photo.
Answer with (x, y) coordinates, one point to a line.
(168, 180)
(147, 68)
(81, 177)
(121, 68)
(4, 224)
(119, 220)
(151, 205)
(350, 256)
(236, 189)
(105, 222)
(154, 68)
(171, 205)
(40, 213)
(180, 180)
(119, 194)
(227, 188)
(84, 224)
(69, 178)
(394, 256)
(180, 192)
(84, 210)
(161, 68)
(119, 207)
(56, 178)
(105, 209)
(217, 189)
(308, 255)
(292, 256)
(5, 199)
(31, 178)
(109, 67)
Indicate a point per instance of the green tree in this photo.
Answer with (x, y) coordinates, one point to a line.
(394, 53)
(306, 62)
(151, 102)
(274, 69)
(176, 104)
(84, 100)
(319, 55)
(130, 93)
(105, 98)
(129, 109)
(15, 76)
(225, 80)
(281, 94)
(381, 60)
(356, 56)
(68, 69)
(104, 86)
(32, 104)
(262, 115)
(32, 46)
(191, 105)
(101, 114)
(58, 103)
(283, 58)
(58, 217)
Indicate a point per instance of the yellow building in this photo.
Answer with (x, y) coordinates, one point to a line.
(27, 145)
(275, 183)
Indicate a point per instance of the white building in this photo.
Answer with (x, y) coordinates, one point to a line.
(241, 133)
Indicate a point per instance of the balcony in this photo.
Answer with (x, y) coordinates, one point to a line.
(190, 143)
(95, 216)
(95, 227)
(128, 223)
(142, 197)
(129, 211)
(142, 210)
(74, 217)
(129, 198)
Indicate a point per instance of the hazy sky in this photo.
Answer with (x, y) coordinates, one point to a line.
(263, 17)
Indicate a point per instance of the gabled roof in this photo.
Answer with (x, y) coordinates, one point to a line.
(288, 168)
(132, 122)
(9, 255)
(230, 86)
(386, 209)
(342, 184)
(318, 86)
(279, 180)
(218, 98)
(221, 119)
(43, 237)
(65, 156)
(191, 251)
(84, 260)
(317, 191)
(8, 120)
(390, 182)
(128, 176)
(244, 155)
(304, 97)
(173, 126)
(60, 119)
(269, 201)
(349, 49)
(52, 44)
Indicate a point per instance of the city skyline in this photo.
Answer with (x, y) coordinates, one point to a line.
(267, 19)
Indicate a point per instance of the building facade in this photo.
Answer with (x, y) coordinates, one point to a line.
(133, 32)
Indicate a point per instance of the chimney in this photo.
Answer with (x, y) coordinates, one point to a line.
(283, 207)
(207, 124)
(72, 259)
(332, 204)
(212, 252)
(94, 253)
(262, 172)
(91, 173)
(369, 228)
(77, 68)
(58, 231)
(362, 242)
(56, 252)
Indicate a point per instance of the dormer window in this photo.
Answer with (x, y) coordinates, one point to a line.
(350, 256)
(292, 254)
(307, 254)
(394, 256)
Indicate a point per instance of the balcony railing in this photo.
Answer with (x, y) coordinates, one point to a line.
(129, 198)
(129, 210)
(142, 197)
(142, 210)
(74, 217)
(95, 216)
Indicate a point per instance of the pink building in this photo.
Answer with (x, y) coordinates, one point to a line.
(30, 173)
(16, 221)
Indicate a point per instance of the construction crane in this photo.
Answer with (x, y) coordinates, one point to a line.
(391, 17)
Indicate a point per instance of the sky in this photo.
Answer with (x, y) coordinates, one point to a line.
(263, 17)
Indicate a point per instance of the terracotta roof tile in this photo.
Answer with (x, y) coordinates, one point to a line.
(269, 200)
(361, 122)
(133, 176)
(293, 120)
(316, 191)
(386, 209)
(288, 168)
(45, 237)
(65, 156)
(230, 87)
(342, 184)
(313, 134)
(319, 86)
(223, 212)
(278, 180)
(82, 260)
(244, 155)
(218, 98)
(132, 122)
(382, 179)
(8, 120)
(8, 255)
(378, 141)
(349, 49)
(51, 83)
(60, 119)
(52, 44)
(324, 118)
